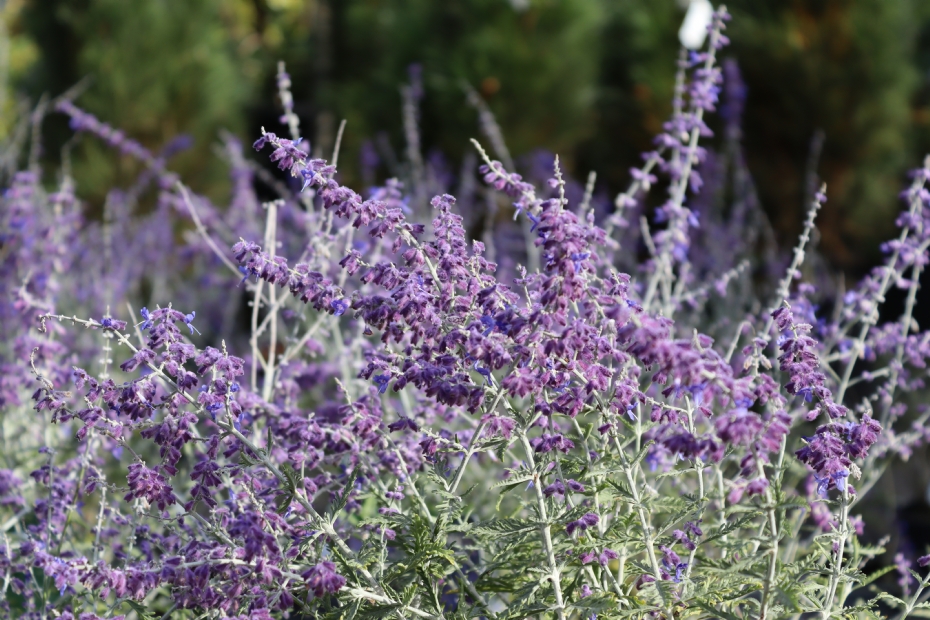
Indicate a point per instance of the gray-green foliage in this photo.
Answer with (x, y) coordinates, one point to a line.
(484, 545)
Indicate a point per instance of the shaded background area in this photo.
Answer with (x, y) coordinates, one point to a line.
(588, 79)
(837, 86)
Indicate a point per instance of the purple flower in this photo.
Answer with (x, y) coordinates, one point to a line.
(142, 357)
(429, 446)
(822, 485)
(903, 568)
(150, 485)
(498, 425)
(188, 320)
(757, 486)
(575, 486)
(110, 323)
(323, 579)
(828, 455)
(588, 520)
(382, 382)
(862, 436)
(147, 316)
(694, 528)
(606, 556)
(739, 427)
(557, 488)
(403, 423)
(801, 361)
(681, 537)
(548, 442)
(671, 562)
(339, 306)
(485, 372)
(462, 332)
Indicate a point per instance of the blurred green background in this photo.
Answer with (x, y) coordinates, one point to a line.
(588, 79)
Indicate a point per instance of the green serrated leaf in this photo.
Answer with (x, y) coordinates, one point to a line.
(409, 592)
(675, 473)
(144, 613)
(643, 451)
(621, 490)
(351, 611)
(504, 491)
(727, 528)
(283, 502)
(379, 611)
(343, 498)
(876, 575)
(494, 444)
(791, 503)
(292, 477)
(468, 491)
(716, 612)
(513, 481)
(508, 527)
(245, 459)
(437, 477)
(894, 601)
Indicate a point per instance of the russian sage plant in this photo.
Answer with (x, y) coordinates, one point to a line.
(416, 424)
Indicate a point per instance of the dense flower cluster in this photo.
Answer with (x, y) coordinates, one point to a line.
(404, 431)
